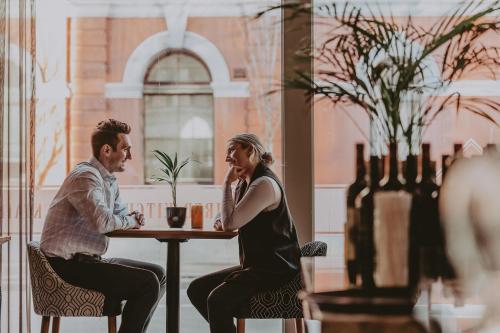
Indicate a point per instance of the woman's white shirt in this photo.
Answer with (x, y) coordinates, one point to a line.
(263, 194)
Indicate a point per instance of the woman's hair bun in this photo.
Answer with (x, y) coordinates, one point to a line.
(267, 158)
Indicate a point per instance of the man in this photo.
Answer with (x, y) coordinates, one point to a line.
(86, 207)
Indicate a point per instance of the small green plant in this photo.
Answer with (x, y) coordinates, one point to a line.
(171, 169)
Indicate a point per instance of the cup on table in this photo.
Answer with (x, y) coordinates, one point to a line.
(197, 216)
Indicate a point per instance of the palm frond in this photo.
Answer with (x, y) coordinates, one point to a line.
(171, 171)
(377, 62)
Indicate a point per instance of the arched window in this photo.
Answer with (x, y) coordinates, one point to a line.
(179, 115)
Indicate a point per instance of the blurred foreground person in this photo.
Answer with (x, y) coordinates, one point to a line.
(470, 211)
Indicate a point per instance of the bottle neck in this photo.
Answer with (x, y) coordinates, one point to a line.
(392, 181)
(426, 164)
(360, 165)
(393, 162)
(411, 170)
(374, 172)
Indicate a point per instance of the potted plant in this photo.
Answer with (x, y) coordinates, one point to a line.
(171, 167)
(400, 72)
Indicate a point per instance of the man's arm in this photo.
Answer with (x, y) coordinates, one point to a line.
(120, 209)
(88, 198)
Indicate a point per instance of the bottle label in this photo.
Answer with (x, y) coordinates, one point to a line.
(391, 223)
(350, 232)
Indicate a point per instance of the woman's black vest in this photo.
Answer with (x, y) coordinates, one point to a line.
(269, 241)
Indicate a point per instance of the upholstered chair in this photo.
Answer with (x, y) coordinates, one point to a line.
(53, 297)
(281, 303)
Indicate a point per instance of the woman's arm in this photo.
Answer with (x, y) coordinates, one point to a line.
(261, 194)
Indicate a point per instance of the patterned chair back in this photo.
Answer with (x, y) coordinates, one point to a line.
(54, 297)
(314, 249)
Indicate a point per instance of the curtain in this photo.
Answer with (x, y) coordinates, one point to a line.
(17, 154)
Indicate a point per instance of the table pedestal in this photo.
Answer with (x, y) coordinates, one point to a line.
(173, 284)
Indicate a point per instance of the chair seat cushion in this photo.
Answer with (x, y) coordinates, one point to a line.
(282, 302)
(277, 303)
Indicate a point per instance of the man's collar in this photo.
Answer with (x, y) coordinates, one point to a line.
(104, 172)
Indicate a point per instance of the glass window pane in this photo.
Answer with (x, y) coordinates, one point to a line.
(178, 68)
(186, 93)
(182, 124)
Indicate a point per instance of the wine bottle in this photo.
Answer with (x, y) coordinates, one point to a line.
(458, 151)
(428, 179)
(430, 235)
(490, 148)
(351, 227)
(365, 246)
(447, 271)
(391, 225)
(410, 174)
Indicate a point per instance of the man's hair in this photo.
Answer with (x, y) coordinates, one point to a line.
(106, 132)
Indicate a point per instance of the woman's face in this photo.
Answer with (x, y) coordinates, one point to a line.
(238, 156)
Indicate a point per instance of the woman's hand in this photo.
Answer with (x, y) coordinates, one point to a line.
(218, 225)
(233, 174)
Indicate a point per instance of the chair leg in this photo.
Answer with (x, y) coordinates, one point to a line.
(299, 325)
(240, 325)
(111, 324)
(55, 324)
(45, 324)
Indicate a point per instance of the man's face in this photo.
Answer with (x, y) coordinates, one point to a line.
(115, 159)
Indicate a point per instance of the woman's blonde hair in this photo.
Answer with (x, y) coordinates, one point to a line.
(251, 140)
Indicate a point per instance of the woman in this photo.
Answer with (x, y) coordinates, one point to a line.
(268, 246)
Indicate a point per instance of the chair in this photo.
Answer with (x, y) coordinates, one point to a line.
(281, 303)
(53, 297)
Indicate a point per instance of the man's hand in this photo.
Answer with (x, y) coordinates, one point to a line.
(233, 173)
(139, 219)
(218, 225)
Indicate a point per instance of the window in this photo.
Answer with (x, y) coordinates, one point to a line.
(179, 115)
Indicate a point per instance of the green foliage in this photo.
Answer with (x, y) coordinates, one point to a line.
(171, 168)
(382, 64)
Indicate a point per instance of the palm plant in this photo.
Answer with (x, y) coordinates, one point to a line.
(171, 168)
(400, 73)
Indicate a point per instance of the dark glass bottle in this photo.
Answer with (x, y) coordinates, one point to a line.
(351, 227)
(365, 246)
(490, 148)
(391, 227)
(382, 161)
(392, 180)
(411, 187)
(428, 179)
(457, 151)
(429, 231)
(410, 175)
(446, 269)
